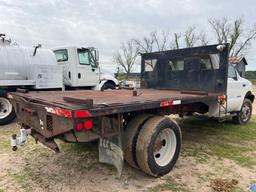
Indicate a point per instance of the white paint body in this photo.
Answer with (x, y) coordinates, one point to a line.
(76, 74)
(237, 88)
(42, 71)
(19, 67)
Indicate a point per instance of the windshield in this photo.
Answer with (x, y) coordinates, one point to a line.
(85, 57)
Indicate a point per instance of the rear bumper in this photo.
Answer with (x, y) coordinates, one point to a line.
(46, 126)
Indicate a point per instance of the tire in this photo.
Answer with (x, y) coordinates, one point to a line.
(107, 86)
(244, 115)
(158, 158)
(130, 138)
(7, 113)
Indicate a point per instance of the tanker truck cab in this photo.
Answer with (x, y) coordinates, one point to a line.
(81, 68)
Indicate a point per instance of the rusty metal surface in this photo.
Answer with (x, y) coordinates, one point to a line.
(50, 143)
(106, 98)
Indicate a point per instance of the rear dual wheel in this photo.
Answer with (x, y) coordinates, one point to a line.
(158, 146)
(130, 138)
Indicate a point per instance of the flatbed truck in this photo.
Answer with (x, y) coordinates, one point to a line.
(134, 125)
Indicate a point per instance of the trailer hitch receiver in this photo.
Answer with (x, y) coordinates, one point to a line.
(19, 140)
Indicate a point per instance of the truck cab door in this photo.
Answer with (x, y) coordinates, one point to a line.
(87, 68)
(234, 90)
(64, 59)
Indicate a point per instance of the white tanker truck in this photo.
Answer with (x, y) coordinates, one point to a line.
(43, 69)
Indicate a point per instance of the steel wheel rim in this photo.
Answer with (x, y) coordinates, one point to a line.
(164, 154)
(245, 112)
(5, 108)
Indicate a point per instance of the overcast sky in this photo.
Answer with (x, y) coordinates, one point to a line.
(105, 24)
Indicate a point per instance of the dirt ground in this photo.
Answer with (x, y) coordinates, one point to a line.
(215, 157)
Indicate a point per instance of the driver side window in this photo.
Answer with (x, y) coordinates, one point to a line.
(232, 72)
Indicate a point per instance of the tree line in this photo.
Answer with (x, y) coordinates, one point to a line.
(223, 30)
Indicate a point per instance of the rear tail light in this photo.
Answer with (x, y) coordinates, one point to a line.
(84, 125)
(221, 99)
(165, 103)
(59, 112)
(170, 103)
(67, 113)
(79, 127)
(88, 124)
(82, 114)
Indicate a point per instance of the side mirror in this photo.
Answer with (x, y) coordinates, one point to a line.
(220, 48)
(96, 56)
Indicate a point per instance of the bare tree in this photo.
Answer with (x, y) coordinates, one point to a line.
(203, 39)
(234, 33)
(146, 45)
(175, 42)
(126, 56)
(161, 41)
(190, 37)
(153, 42)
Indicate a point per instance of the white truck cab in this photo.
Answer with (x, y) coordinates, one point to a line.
(239, 99)
(81, 68)
(238, 87)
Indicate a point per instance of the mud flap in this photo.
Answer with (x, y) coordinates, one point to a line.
(110, 152)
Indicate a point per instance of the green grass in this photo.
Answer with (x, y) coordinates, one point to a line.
(168, 185)
(5, 135)
(22, 179)
(204, 137)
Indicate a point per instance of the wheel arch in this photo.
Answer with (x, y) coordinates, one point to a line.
(111, 82)
(250, 96)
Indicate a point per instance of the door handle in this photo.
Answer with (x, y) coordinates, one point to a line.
(93, 69)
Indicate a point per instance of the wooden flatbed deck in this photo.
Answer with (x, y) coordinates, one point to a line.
(113, 101)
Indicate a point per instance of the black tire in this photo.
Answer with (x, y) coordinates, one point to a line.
(130, 138)
(108, 86)
(146, 146)
(8, 119)
(244, 115)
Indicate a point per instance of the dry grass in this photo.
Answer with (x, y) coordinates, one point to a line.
(211, 151)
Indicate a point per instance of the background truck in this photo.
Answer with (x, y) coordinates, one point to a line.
(133, 124)
(37, 69)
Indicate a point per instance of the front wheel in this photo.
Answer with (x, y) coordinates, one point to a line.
(244, 115)
(108, 86)
(7, 113)
(158, 146)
